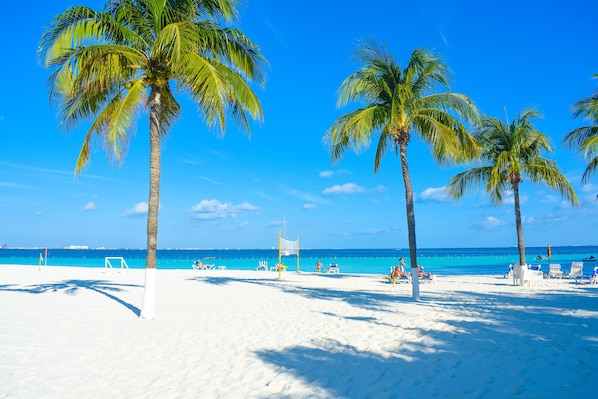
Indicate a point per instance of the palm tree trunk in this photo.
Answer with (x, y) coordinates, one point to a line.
(148, 309)
(518, 225)
(410, 220)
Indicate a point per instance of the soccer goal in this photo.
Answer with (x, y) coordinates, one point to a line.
(117, 260)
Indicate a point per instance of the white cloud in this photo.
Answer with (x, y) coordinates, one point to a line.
(214, 209)
(90, 206)
(437, 194)
(138, 209)
(330, 173)
(376, 231)
(491, 222)
(309, 206)
(347, 188)
(379, 189)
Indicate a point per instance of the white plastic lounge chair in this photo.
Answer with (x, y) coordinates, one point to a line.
(592, 278)
(199, 265)
(518, 274)
(576, 270)
(404, 277)
(509, 274)
(262, 265)
(523, 275)
(427, 277)
(333, 268)
(554, 270)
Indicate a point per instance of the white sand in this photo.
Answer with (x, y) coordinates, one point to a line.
(75, 333)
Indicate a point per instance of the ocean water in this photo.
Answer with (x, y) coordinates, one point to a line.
(441, 261)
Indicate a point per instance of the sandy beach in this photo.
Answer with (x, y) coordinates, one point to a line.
(68, 332)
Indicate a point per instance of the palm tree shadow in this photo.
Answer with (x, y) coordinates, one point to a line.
(71, 287)
(451, 350)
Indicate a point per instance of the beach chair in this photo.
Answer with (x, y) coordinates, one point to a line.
(425, 277)
(404, 277)
(537, 277)
(518, 274)
(262, 265)
(333, 268)
(554, 270)
(591, 278)
(199, 265)
(575, 270)
(524, 275)
(509, 274)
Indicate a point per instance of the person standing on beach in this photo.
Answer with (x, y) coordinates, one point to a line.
(318, 266)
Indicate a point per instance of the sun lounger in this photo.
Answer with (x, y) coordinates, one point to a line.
(590, 278)
(333, 268)
(262, 265)
(576, 270)
(554, 270)
(199, 265)
(404, 277)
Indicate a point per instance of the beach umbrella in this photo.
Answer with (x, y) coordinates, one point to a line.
(549, 252)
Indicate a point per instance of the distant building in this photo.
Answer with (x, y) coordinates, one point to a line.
(76, 247)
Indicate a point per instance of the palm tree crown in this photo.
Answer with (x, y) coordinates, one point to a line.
(509, 153)
(399, 102)
(103, 63)
(585, 139)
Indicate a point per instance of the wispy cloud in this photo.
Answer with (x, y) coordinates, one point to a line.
(331, 173)
(434, 194)
(309, 206)
(374, 231)
(491, 222)
(214, 209)
(139, 209)
(90, 206)
(306, 196)
(343, 189)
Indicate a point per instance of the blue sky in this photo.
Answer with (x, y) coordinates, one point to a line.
(236, 192)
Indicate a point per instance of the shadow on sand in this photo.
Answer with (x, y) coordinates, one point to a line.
(496, 345)
(70, 287)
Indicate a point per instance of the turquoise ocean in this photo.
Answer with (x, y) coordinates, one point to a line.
(442, 261)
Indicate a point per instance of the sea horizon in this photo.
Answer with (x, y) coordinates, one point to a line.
(447, 261)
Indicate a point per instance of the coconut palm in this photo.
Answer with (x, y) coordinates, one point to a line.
(511, 151)
(585, 139)
(109, 65)
(398, 103)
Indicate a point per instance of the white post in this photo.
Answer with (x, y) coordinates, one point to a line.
(148, 310)
(415, 282)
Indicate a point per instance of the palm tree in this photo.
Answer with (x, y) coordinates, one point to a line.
(399, 102)
(585, 139)
(109, 65)
(510, 152)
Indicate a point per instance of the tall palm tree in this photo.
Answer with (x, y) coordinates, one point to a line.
(399, 102)
(109, 65)
(510, 152)
(585, 139)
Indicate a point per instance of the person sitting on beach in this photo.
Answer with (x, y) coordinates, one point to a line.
(397, 273)
(199, 264)
(318, 266)
(422, 273)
